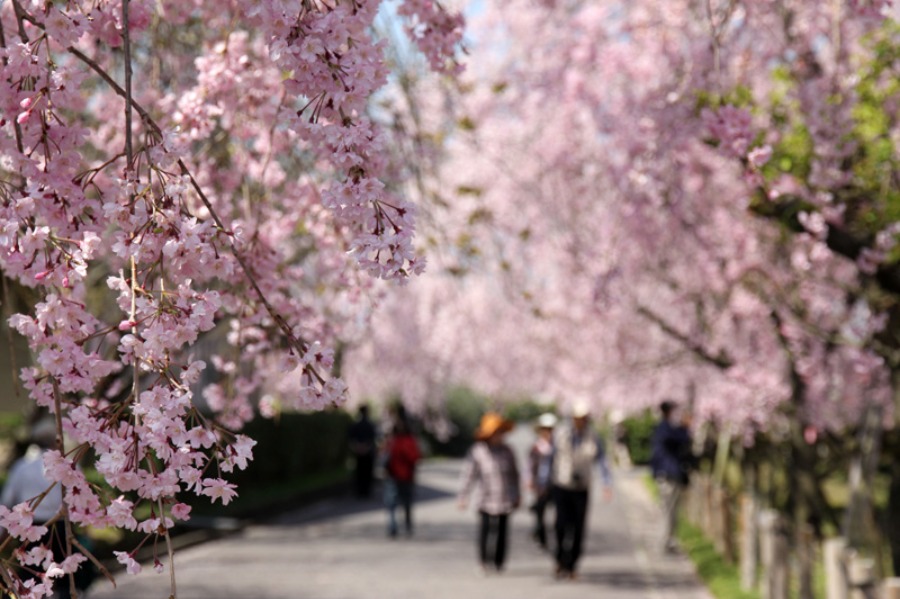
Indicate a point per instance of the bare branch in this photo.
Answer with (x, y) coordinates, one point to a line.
(721, 360)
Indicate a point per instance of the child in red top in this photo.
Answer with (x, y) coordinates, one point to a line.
(402, 454)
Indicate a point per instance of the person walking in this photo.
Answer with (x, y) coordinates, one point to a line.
(540, 468)
(577, 449)
(491, 465)
(621, 456)
(362, 437)
(670, 461)
(401, 456)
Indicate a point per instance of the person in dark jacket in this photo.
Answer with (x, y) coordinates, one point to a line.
(362, 438)
(671, 461)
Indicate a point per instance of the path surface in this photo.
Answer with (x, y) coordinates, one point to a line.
(339, 550)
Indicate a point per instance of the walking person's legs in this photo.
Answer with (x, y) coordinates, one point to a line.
(405, 490)
(579, 520)
(483, 534)
(390, 502)
(540, 510)
(500, 549)
(540, 530)
(564, 526)
(669, 495)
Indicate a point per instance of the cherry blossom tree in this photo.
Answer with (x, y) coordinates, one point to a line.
(607, 185)
(609, 214)
(173, 170)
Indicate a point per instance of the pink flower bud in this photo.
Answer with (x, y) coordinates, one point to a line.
(810, 435)
(23, 117)
(758, 157)
(26, 103)
(126, 325)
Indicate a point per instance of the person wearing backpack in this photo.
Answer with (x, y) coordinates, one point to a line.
(401, 456)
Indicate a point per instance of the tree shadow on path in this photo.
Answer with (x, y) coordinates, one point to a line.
(347, 505)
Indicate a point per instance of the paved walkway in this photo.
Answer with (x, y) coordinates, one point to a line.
(339, 550)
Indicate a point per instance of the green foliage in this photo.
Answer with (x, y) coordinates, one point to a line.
(741, 96)
(481, 215)
(871, 198)
(525, 410)
(463, 408)
(466, 124)
(720, 577)
(875, 165)
(275, 495)
(294, 446)
(792, 155)
(13, 438)
(638, 432)
(469, 190)
(11, 424)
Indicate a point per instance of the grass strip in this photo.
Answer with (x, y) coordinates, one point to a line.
(721, 578)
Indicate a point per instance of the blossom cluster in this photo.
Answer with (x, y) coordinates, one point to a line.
(436, 31)
(335, 65)
(180, 218)
(608, 234)
(732, 128)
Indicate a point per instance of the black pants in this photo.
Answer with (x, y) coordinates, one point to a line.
(571, 514)
(539, 508)
(492, 539)
(365, 466)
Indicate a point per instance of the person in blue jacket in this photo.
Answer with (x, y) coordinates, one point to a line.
(671, 461)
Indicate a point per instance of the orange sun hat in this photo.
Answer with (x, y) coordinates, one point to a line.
(491, 424)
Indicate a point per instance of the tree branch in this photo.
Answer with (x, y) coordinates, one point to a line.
(721, 360)
(301, 344)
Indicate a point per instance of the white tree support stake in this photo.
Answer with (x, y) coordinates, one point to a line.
(835, 582)
(862, 576)
(774, 550)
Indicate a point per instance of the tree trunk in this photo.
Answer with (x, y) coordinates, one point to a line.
(860, 527)
(805, 541)
(892, 531)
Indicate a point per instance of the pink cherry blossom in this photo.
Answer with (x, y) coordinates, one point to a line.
(127, 560)
(232, 196)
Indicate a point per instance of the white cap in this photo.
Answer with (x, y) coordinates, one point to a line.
(581, 409)
(546, 420)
